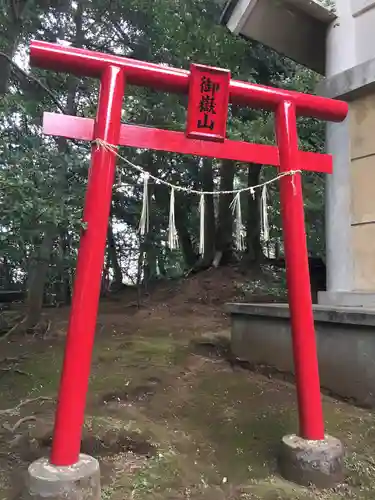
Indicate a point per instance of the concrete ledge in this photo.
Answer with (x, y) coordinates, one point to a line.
(350, 84)
(346, 344)
(322, 313)
(347, 299)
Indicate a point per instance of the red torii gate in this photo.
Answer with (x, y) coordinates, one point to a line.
(207, 113)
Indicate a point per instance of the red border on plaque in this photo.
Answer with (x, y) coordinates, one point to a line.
(208, 103)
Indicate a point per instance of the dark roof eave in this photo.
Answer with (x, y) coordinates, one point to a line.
(313, 9)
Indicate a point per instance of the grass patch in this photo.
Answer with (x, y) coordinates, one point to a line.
(214, 431)
(41, 376)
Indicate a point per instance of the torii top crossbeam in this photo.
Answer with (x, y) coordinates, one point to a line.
(210, 90)
(83, 62)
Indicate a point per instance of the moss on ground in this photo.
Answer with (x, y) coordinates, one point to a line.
(214, 431)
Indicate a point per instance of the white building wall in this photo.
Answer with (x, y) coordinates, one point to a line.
(363, 12)
(351, 41)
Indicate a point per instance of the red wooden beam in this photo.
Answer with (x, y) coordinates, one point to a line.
(73, 127)
(298, 278)
(83, 62)
(75, 374)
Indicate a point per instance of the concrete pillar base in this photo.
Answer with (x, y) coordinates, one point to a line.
(80, 481)
(318, 463)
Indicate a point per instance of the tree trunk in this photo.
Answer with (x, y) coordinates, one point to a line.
(13, 33)
(139, 274)
(253, 253)
(209, 215)
(19, 21)
(104, 287)
(113, 259)
(150, 243)
(16, 12)
(63, 288)
(224, 233)
(67, 277)
(39, 269)
(161, 263)
(5, 274)
(151, 269)
(184, 238)
(277, 249)
(37, 277)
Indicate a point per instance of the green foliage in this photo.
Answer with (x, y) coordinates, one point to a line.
(42, 181)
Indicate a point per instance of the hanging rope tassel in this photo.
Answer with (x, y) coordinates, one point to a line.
(293, 183)
(144, 221)
(265, 229)
(239, 233)
(172, 231)
(201, 224)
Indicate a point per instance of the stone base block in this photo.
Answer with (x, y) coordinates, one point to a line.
(80, 481)
(318, 463)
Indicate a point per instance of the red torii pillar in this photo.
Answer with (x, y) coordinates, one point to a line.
(114, 72)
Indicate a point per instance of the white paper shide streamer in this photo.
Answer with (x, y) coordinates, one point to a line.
(239, 231)
(235, 205)
(144, 221)
(172, 231)
(265, 229)
(201, 224)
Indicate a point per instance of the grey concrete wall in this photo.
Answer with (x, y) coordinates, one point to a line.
(345, 338)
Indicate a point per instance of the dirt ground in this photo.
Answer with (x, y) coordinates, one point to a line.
(167, 415)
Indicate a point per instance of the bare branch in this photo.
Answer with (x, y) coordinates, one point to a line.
(47, 329)
(13, 428)
(12, 359)
(14, 370)
(15, 410)
(9, 332)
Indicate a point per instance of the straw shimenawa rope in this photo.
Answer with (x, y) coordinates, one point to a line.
(235, 205)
